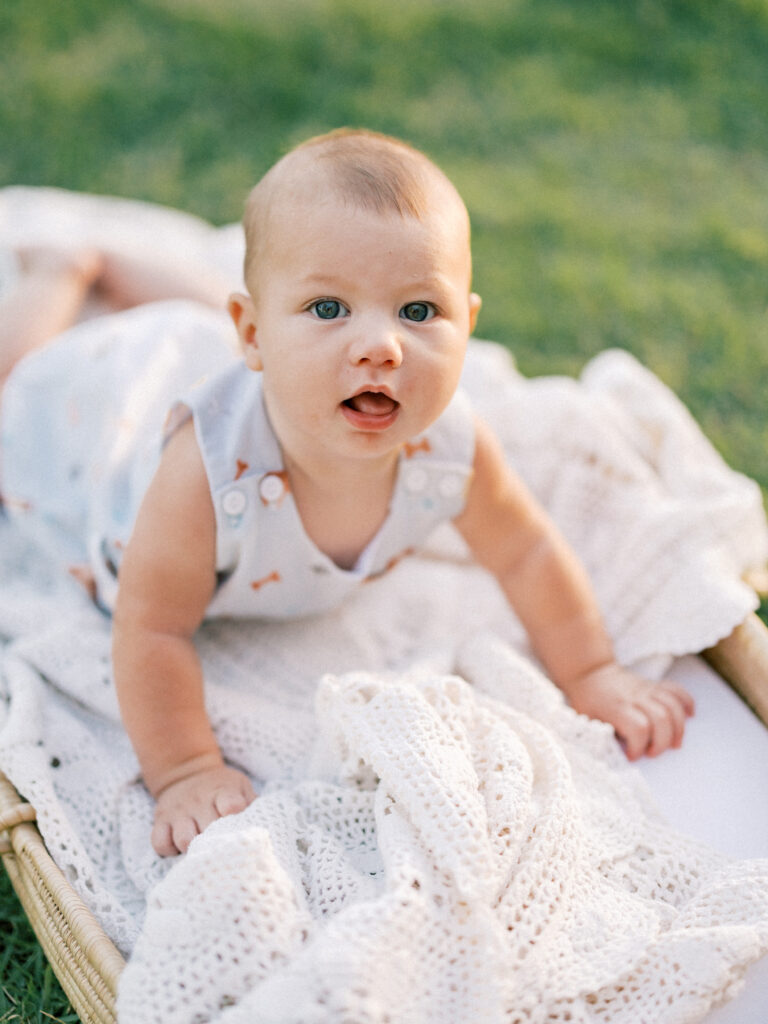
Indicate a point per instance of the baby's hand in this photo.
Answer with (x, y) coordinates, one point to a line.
(188, 806)
(649, 718)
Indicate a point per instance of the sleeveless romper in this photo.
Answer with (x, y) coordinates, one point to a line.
(80, 448)
(267, 566)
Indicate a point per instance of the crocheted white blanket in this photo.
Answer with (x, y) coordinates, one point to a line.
(438, 837)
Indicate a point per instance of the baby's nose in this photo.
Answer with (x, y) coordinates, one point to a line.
(379, 347)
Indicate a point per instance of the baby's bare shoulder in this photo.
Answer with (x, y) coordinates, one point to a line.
(501, 518)
(178, 501)
(181, 460)
(170, 558)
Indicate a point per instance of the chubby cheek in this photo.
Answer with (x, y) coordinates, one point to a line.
(438, 377)
(295, 396)
(438, 401)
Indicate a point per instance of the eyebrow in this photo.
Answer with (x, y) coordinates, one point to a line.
(438, 282)
(317, 277)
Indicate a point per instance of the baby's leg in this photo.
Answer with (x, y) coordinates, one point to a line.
(129, 281)
(54, 284)
(44, 301)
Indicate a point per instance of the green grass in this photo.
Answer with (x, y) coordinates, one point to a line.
(613, 156)
(29, 991)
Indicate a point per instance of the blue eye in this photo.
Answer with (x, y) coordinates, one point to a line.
(328, 309)
(418, 311)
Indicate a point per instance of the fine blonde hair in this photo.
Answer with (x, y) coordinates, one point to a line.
(364, 168)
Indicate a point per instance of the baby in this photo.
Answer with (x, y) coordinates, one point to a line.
(330, 450)
(354, 330)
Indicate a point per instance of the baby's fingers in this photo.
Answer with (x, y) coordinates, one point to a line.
(634, 729)
(676, 712)
(667, 705)
(162, 839)
(667, 723)
(184, 831)
(232, 801)
(681, 695)
(172, 837)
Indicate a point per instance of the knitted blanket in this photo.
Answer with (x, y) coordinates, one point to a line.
(438, 837)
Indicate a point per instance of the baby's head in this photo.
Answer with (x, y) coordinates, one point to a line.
(359, 307)
(360, 168)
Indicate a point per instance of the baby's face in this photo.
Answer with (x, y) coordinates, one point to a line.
(359, 322)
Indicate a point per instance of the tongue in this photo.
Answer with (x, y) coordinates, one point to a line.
(372, 403)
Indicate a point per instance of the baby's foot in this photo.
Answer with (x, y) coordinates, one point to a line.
(45, 297)
(83, 267)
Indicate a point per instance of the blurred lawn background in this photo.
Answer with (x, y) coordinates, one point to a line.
(614, 158)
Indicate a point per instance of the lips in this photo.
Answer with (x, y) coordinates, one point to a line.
(370, 410)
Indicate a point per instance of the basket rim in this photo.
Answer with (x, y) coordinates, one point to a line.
(84, 959)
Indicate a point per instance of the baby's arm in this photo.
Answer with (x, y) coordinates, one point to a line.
(167, 579)
(511, 535)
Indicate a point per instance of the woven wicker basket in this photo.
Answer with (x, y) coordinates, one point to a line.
(85, 961)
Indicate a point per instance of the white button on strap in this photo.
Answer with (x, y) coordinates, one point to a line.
(416, 480)
(234, 502)
(451, 485)
(271, 488)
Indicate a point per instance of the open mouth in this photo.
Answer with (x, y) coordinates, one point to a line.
(370, 410)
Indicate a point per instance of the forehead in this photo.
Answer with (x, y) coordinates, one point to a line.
(328, 218)
(296, 195)
(310, 229)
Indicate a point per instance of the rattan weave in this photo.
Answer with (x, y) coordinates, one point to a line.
(742, 660)
(85, 961)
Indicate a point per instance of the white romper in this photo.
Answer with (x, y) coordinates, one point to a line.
(266, 564)
(80, 450)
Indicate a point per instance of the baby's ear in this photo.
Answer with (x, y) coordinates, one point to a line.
(243, 314)
(475, 302)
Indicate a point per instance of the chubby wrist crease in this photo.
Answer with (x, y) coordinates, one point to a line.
(208, 761)
(573, 682)
(573, 650)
